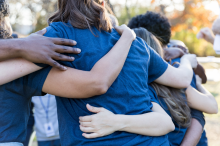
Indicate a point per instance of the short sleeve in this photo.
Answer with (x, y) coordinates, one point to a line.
(157, 66)
(52, 32)
(33, 83)
(153, 95)
(198, 115)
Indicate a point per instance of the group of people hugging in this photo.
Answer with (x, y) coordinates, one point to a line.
(121, 85)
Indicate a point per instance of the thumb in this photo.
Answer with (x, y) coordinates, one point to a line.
(93, 109)
(41, 32)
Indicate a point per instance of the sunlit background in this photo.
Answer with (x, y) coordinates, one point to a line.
(186, 16)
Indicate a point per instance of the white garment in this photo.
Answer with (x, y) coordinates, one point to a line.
(40, 116)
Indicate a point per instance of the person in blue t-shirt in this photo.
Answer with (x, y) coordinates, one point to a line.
(172, 100)
(129, 92)
(15, 96)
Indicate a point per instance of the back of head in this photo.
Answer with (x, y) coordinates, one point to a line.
(173, 98)
(5, 27)
(83, 14)
(155, 23)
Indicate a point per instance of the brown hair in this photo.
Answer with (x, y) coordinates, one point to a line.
(174, 99)
(83, 14)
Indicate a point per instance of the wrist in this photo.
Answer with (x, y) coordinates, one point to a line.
(120, 123)
(128, 34)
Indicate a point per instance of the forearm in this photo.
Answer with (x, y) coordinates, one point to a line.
(201, 100)
(108, 68)
(193, 134)
(185, 71)
(15, 68)
(146, 124)
(84, 84)
(9, 49)
(201, 72)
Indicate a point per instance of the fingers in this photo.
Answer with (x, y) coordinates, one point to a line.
(86, 129)
(92, 135)
(85, 119)
(61, 57)
(93, 109)
(41, 32)
(55, 64)
(66, 49)
(85, 124)
(66, 42)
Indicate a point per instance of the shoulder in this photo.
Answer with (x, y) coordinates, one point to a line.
(58, 29)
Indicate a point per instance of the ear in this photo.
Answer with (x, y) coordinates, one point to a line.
(103, 3)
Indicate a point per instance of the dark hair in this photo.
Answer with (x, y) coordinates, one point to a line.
(4, 12)
(174, 99)
(4, 8)
(83, 14)
(155, 23)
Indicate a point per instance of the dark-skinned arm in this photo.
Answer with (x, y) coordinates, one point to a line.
(38, 49)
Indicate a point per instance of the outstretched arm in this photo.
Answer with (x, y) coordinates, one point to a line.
(179, 77)
(83, 84)
(202, 99)
(105, 122)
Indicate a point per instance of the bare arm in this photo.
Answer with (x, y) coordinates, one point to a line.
(105, 122)
(38, 49)
(83, 84)
(179, 77)
(202, 99)
(15, 68)
(193, 134)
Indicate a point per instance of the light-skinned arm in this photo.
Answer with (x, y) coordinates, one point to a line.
(180, 77)
(193, 134)
(76, 83)
(105, 122)
(202, 99)
(83, 84)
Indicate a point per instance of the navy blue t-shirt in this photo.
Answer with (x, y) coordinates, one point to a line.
(175, 137)
(15, 100)
(128, 94)
(198, 115)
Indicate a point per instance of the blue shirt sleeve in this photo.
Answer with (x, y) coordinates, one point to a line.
(33, 83)
(198, 115)
(157, 66)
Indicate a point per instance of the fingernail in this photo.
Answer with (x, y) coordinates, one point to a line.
(72, 58)
(75, 42)
(64, 68)
(78, 50)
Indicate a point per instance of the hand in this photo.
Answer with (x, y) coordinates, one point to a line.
(192, 59)
(39, 49)
(198, 80)
(123, 29)
(206, 34)
(216, 26)
(172, 53)
(99, 124)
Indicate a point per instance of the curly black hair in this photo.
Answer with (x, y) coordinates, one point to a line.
(155, 23)
(4, 8)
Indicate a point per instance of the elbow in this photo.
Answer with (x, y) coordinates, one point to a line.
(185, 83)
(102, 89)
(101, 86)
(169, 125)
(214, 110)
